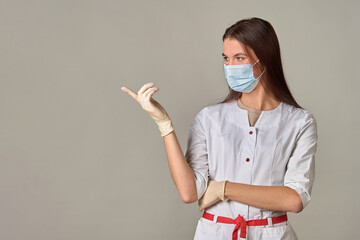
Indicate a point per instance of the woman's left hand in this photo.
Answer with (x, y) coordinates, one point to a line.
(213, 194)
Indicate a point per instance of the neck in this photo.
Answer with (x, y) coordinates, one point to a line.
(258, 99)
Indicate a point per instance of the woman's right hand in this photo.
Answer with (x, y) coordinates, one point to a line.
(155, 110)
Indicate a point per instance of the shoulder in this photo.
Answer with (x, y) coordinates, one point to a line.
(218, 107)
(299, 117)
(215, 111)
(299, 113)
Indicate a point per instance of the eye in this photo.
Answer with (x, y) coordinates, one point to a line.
(240, 58)
(225, 58)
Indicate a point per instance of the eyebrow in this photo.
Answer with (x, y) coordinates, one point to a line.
(237, 54)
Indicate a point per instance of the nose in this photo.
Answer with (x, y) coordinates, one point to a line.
(231, 62)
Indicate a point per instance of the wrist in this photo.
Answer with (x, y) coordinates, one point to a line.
(165, 127)
(223, 196)
(226, 190)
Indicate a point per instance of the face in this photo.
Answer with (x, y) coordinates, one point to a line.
(235, 54)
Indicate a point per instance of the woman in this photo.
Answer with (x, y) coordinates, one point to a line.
(251, 158)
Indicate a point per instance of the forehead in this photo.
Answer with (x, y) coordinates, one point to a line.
(233, 46)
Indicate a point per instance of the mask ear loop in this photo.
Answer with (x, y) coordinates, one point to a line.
(256, 62)
(262, 72)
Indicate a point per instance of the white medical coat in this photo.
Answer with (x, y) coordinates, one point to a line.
(279, 152)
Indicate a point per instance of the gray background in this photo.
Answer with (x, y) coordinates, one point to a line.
(80, 159)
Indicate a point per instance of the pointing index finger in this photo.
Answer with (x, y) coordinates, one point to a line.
(131, 93)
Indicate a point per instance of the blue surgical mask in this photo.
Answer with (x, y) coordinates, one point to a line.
(241, 77)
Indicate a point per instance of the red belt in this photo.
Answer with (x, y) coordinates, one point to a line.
(240, 222)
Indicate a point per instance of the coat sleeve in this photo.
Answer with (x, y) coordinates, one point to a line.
(196, 153)
(300, 173)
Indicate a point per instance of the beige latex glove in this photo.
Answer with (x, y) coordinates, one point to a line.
(155, 110)
(213, 194)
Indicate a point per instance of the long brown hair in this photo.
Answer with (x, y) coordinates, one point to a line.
(259, 35)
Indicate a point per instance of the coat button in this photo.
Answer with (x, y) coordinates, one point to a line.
(248, 159)
(251, 132)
